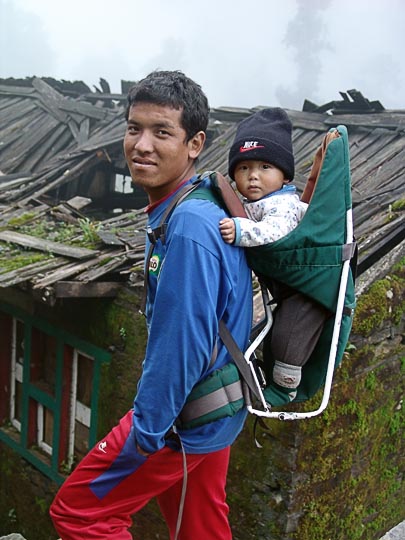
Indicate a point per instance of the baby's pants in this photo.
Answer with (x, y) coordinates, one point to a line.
(114, 481)
(298, 323)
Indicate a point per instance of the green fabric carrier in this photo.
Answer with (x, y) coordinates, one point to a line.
(310, 258)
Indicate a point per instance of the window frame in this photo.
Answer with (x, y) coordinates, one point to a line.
(78, 411)
(16, 374)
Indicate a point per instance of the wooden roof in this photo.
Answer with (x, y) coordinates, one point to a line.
(51, 135)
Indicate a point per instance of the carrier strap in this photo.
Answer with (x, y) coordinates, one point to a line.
(229, 395)
(221, 393)
(222, 191)
(238, 358)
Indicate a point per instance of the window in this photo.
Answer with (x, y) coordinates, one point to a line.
(43, 361)
(44, 428)
(123, 184)
(48, 392)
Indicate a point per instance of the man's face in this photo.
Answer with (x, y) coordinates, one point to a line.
(155, 147)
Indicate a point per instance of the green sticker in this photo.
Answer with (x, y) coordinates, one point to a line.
(154, 265)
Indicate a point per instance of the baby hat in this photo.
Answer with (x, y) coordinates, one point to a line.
(264, 136)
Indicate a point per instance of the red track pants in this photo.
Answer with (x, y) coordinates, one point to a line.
(113, 482)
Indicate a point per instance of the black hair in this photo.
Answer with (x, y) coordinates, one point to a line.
(173, 89)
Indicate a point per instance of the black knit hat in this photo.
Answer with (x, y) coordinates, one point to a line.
(264, 136)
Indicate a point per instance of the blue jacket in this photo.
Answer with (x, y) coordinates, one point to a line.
(195, 279)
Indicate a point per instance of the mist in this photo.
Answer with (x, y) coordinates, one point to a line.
(242, 54)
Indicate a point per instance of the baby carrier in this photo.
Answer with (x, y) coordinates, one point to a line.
(317, 259)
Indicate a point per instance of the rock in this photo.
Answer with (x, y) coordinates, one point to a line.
(397, 533)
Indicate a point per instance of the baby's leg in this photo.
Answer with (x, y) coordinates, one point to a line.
(298, 323)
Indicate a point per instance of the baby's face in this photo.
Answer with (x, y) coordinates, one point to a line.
(255, 179)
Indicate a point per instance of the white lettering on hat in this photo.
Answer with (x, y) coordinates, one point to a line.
(250, 145)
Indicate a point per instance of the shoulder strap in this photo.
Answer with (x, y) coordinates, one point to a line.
(221, 194)
(317, 165)
(224, 190)
(159, 233)
(195, 191)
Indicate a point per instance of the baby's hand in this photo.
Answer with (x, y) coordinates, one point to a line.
(227, 230)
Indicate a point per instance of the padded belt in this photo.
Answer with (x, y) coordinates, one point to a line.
(217, 396)
(209, 403)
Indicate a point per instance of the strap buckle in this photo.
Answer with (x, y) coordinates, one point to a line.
(157, 234)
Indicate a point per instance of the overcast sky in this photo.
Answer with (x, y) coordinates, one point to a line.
(243, 52)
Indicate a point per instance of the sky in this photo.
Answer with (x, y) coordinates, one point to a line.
(244, 53)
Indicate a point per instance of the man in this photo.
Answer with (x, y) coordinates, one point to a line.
(194, 280)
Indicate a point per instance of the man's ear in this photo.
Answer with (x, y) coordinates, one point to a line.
(196, 144)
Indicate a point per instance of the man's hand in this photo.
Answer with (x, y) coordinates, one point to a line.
(142, 452)
(227, 230)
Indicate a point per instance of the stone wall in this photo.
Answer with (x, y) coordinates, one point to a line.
(25, 496)
(338, 476)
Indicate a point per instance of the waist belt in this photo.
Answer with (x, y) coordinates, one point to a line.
(217, 396)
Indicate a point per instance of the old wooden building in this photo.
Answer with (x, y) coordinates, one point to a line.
(71, 253)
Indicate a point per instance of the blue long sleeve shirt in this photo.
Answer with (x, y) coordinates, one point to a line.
(195, 280)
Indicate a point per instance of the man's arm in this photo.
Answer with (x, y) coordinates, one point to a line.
(190, 292)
